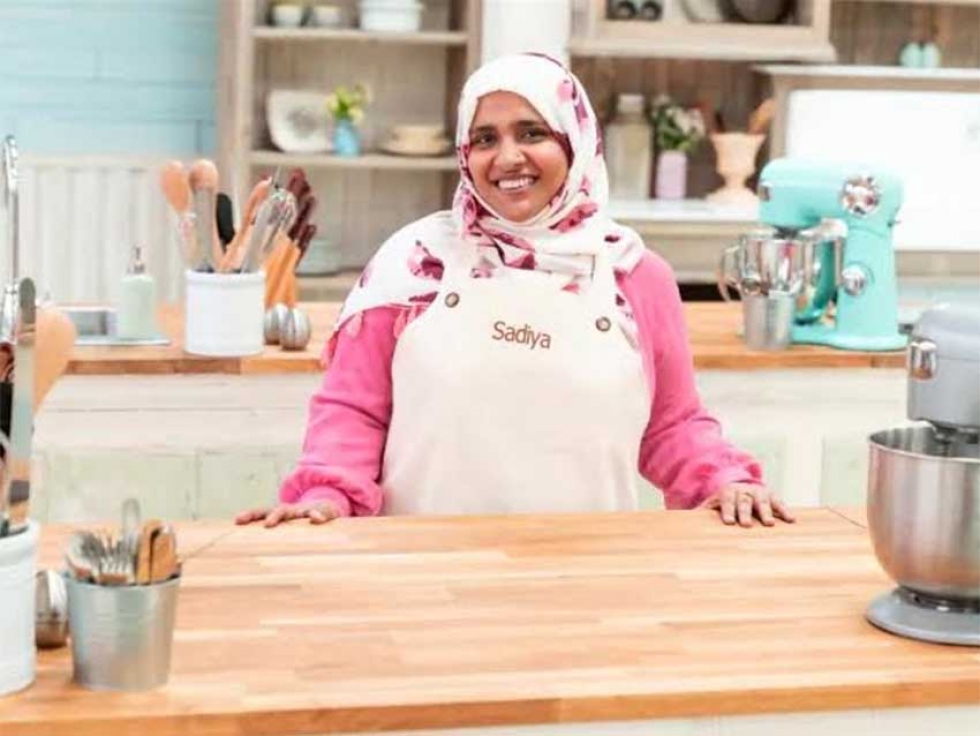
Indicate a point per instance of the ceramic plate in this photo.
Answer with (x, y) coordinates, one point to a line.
(298, 121)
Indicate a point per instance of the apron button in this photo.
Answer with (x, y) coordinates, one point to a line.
(603, 324)
(452, 299)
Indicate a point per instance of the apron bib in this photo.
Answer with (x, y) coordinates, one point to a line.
(512, 396)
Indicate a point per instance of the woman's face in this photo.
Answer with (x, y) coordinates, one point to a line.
(516, 162)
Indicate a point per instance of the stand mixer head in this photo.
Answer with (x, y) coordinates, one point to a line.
(924, 487)
(838, 220)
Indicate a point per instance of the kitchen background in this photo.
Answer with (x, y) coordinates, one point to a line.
(100, 93)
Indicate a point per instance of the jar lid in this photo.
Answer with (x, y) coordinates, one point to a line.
(954, 328)
(630, 104)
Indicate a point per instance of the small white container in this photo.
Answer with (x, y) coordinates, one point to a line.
(288, 16)
(327, 16)
(391, 16)
(18, 659)
(223, 313)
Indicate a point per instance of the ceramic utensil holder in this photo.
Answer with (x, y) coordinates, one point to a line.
(121, 636)
(18, 554)
(736, 154)
(223, 313)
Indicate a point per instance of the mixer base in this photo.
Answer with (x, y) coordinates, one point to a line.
(906, 614)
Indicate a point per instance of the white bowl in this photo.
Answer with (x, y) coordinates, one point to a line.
(288, 16)
(390, 17)
(327, 16)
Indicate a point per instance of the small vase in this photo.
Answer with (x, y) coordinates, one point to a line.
(671, 179)
(346, 141)
(735, 153)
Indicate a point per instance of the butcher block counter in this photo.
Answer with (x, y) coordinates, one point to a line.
(416, 625)
(713, 329)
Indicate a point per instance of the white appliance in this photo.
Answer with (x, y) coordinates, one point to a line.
(930, 139)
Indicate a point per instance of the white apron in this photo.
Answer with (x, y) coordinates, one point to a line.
(512, 396)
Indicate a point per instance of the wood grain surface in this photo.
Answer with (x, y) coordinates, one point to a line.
(412, 623)
(713, 329)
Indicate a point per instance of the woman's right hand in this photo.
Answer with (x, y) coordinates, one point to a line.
(318, 512)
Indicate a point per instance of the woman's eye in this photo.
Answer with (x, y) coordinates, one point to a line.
(482, 140)
(534, 134)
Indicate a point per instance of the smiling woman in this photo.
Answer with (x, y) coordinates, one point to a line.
(520, 353)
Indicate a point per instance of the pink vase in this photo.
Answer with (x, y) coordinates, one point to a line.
(671, 180)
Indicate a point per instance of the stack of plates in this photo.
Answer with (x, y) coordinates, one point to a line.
(417, 140)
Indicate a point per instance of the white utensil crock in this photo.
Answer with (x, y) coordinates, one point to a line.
(18, 557)
(223, 313)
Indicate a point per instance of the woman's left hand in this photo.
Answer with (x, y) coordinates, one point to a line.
(744, 502)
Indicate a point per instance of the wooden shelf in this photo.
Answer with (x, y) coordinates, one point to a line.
(366, 161)
(845, 71)
(974, 3)
(421, 38)
(683, 46)
(675, 37)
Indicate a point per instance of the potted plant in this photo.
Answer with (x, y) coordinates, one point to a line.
(677, 132)
(347, 108)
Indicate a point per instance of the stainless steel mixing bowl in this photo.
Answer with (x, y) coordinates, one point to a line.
(924, 511)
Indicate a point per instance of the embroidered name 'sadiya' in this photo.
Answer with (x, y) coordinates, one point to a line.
(521, 335)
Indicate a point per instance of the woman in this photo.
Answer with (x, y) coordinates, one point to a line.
(521, 353)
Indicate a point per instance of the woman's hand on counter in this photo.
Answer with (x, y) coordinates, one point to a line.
(742, 503)
(318, 512)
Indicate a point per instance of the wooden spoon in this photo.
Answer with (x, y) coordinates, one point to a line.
(203, 179)
(236, 248)
(175, 186)
(53, 350)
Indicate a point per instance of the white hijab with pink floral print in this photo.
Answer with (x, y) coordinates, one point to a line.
(563, 239)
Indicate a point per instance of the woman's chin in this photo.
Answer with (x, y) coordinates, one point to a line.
(517, 212)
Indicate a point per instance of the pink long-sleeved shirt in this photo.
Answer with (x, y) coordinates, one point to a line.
(682, 451)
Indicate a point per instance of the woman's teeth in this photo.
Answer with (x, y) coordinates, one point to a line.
(511, 185)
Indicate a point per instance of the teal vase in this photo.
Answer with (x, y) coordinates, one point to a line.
(345, 139)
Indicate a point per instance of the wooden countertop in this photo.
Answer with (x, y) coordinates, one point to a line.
(396, 623)
(713, 329)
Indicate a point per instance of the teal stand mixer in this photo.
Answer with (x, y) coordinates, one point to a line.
(842, 216)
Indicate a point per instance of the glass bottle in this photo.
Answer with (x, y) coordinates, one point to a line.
(629, 149)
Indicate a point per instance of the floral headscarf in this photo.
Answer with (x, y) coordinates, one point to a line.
(563, 239)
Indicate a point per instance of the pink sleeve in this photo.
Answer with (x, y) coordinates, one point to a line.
(348, 421)
(683, 452)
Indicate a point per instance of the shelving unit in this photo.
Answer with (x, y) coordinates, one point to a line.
(675, 36)
(414, 78)
(422, 38)
(366, 161)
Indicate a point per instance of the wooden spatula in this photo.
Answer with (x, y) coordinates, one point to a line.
(163, 555)
(145, 551)
(53, 349)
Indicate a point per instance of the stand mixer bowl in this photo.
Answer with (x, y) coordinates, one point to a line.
(924, 511)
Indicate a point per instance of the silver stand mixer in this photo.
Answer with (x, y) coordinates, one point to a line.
(924, 487)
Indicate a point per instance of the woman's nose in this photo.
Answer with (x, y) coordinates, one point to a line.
(510, 154)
